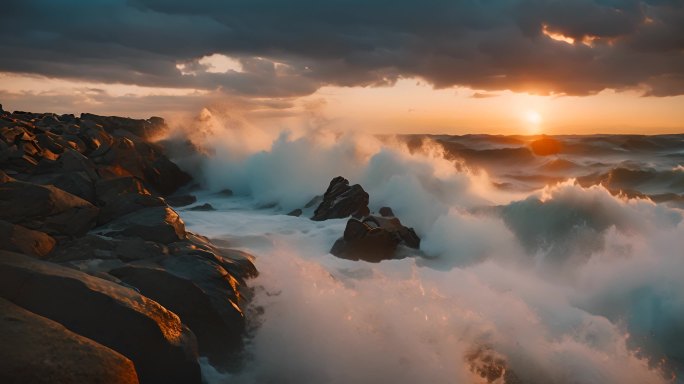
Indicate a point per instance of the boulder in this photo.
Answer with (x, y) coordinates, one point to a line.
(374, 239)
(217, 324)
(45, 208)
(41, 351)
(77, 183)
(296, 212)
(341, 200)
(158, 224)
(202, 207)
(180, 201)
(161, 347)
(16, 238)
(122, 195)
(386, 212)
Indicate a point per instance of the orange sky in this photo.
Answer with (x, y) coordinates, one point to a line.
(410, 106)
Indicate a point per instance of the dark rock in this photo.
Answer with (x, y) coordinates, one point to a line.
(158, 224)
(41, 351)
(226, 192)
(374, 239)
(386, 212)
(297, 212)
(217, 323)
(341, 200)
(122, 195)
(180, 201)
(161, 347)
(101, 247)
(16, 238)
(316, 200)
(203, 207)
(76, 183)
(45, 208)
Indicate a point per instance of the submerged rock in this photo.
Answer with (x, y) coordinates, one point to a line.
(203, 207)
(295, 212)
(341, 200)
(374, 239)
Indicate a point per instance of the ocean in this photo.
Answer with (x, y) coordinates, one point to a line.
(545, 259)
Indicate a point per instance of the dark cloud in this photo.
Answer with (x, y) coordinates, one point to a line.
(291, 48)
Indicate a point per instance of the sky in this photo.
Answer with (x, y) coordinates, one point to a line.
(434, 66)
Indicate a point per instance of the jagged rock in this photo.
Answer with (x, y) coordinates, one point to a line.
(341, 200)
(296, 212)
(199, 300)
(161, 347)
(180, 201)
(203, 207)
(41, 351)
(146, 129)
(122, 195)
(158, 224)
(374, 239)
(45, 208)
(386, 212)
(16, 238)
(77, 183)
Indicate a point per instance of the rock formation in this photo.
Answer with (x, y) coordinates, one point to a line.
(94, 261)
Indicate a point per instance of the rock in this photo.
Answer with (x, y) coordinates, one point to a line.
(45, 208)
(122, 195)
(297, 212)
(217, 324)
(38, 350)
(341, 200)
(226, 192)
(180, 201)
(374, 239)
(100, 247)
(203, 207)
(158, 224)
(146, 129)
(386, 212)
(16, 238)
(161, 347)
(77, 183)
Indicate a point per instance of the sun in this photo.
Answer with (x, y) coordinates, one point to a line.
(533, 117)
(533, 121)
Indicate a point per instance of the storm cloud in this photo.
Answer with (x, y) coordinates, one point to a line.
(292, 48)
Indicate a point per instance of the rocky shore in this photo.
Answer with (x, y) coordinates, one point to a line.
(100, 282)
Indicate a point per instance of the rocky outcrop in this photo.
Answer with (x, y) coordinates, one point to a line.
(366, 237)
(87, 195)
(41, 351)
(160, 346)
(342, 200)
(374, 238)
(45, 208)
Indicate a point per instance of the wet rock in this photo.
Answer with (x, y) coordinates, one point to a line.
(203, 207)
(158, 224)
(180, 201)
(45, 208)
(16, 238)
(374, 239)
(386, 212)
(199, 299)
(105, 248)
(341, 200)
(296, 212)
(226, 192)
(41, 351)
(161, 347)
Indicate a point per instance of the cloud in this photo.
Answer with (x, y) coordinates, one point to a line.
(293, 48)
